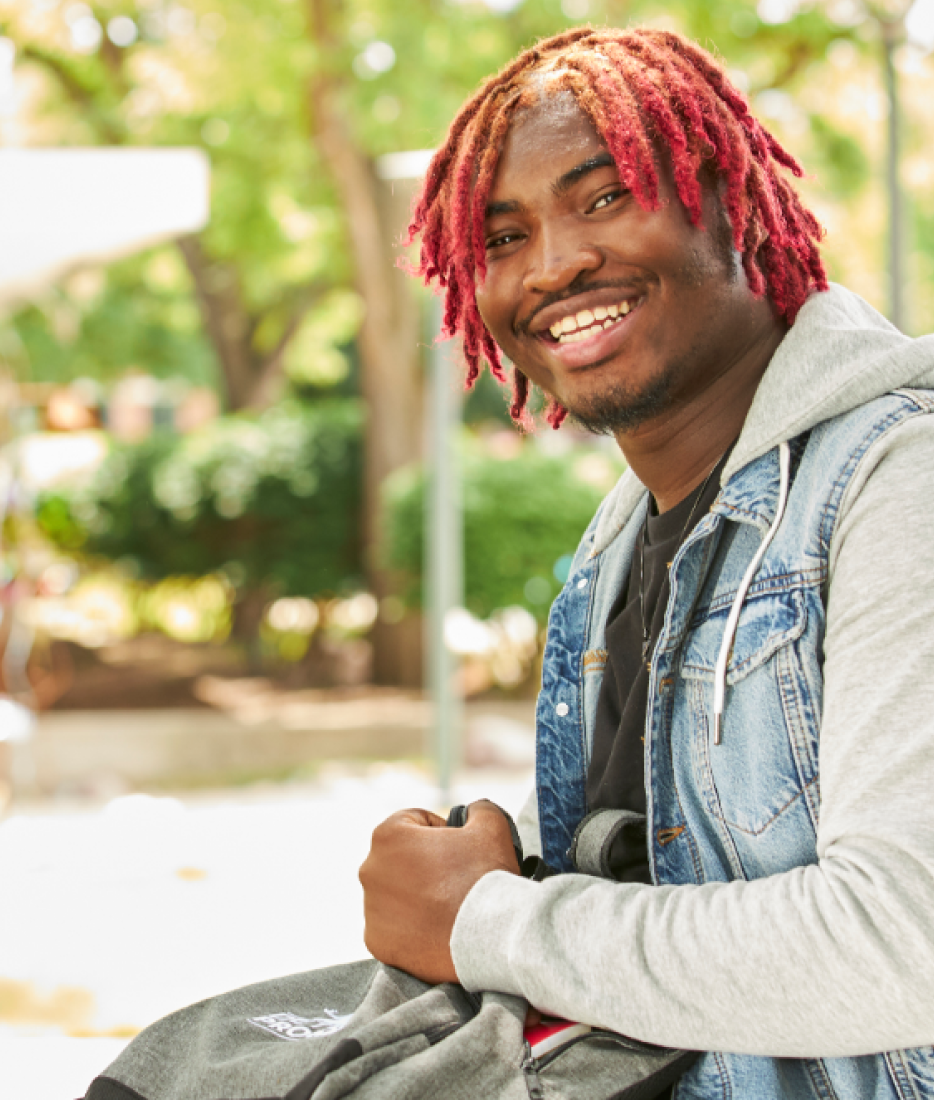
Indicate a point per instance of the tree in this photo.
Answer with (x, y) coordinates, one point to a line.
(296, 99)
(187, 75)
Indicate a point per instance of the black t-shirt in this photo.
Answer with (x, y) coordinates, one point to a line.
(616, 777)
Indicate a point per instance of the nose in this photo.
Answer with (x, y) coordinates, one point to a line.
(557, 260)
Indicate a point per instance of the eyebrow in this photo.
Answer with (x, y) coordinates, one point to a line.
(564, 183)
(560, 187)
(495, 208)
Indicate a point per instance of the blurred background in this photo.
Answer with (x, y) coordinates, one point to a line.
(266, 574)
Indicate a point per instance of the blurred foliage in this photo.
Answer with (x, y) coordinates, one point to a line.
(270, 502)
(523, 519)
(273, 501)
(139, 313)
(105, 606)
(839, 159)
(187, 609)
(232, 77)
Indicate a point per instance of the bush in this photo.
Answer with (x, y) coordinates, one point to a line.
(273, 501)
(523, 519)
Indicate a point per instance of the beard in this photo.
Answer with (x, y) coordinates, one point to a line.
(619, 408)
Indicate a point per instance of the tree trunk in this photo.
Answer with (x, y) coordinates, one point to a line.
(389, 337)
(251, 380)
(225, 321)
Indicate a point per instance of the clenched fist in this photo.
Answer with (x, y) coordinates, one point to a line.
(415, 880)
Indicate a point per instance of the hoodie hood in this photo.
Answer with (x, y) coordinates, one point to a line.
(839, 353)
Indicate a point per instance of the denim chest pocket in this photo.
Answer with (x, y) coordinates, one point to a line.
(767, 622)
(765, 768)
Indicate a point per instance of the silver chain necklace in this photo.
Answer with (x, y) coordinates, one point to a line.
(646, 634)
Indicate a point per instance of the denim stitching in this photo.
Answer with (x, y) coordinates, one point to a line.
(595, 659)
(665, 730)
(820, 1079)
(758, 832)
(901, 1075)
(588, 621)
(709, 786)
(788, 673)
(767, 586)
(773, 644)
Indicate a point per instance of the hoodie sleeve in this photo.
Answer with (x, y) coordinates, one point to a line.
(832, 959)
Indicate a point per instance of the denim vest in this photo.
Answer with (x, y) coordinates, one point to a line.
(737, 810)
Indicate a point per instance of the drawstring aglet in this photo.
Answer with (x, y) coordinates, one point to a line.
(716, 729)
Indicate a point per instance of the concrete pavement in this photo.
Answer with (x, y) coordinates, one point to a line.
(119, 911)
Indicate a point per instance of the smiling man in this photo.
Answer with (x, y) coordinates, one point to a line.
(736, 722)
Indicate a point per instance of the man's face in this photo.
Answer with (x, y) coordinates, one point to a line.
(618, 312)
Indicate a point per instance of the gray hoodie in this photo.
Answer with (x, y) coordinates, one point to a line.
(675, 964)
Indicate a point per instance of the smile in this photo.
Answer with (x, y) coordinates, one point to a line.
(590, 322)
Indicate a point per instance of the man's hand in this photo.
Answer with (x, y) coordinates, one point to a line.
(415, 880)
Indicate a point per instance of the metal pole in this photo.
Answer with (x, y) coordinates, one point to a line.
(444, 555)
(891, 36)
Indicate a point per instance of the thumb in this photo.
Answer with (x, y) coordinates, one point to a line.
(483, 813)
(486, 819)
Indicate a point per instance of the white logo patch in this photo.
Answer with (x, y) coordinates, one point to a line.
(286, 1025)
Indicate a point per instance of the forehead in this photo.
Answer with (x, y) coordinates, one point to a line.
(544, 140)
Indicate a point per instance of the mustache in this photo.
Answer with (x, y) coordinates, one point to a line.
(630, 286)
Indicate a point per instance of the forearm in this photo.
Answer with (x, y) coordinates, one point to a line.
(813, 962)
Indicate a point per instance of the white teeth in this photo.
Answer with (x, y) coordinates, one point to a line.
(587, 323)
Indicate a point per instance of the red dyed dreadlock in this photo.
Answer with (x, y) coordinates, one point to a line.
(642, 89)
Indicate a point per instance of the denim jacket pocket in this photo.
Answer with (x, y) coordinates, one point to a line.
(768, 621)
(760, 777)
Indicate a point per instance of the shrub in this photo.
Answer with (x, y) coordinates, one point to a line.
(523, 519)
(273, 501)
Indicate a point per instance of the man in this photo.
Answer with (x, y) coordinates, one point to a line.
(743, 651)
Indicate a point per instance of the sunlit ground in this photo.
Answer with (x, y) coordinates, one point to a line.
(116, 913)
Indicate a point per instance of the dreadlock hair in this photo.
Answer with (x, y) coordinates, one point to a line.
(645, 91)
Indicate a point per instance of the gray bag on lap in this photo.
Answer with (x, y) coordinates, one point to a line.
(376, 1033)
(369, 1031)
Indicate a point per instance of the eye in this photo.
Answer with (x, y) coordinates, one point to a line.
(608, 198)
(500, 240)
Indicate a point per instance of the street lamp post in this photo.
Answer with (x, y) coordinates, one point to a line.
(890, 17)
(892, 36)
(444, 556)
(443, 527)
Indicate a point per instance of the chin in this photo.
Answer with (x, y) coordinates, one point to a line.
(620, 408)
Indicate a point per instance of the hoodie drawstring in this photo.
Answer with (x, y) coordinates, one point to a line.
(719, 675)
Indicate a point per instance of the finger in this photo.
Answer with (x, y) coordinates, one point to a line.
(416, 816)
(427, 818)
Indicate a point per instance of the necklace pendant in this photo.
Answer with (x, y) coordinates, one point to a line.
(645, 646)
